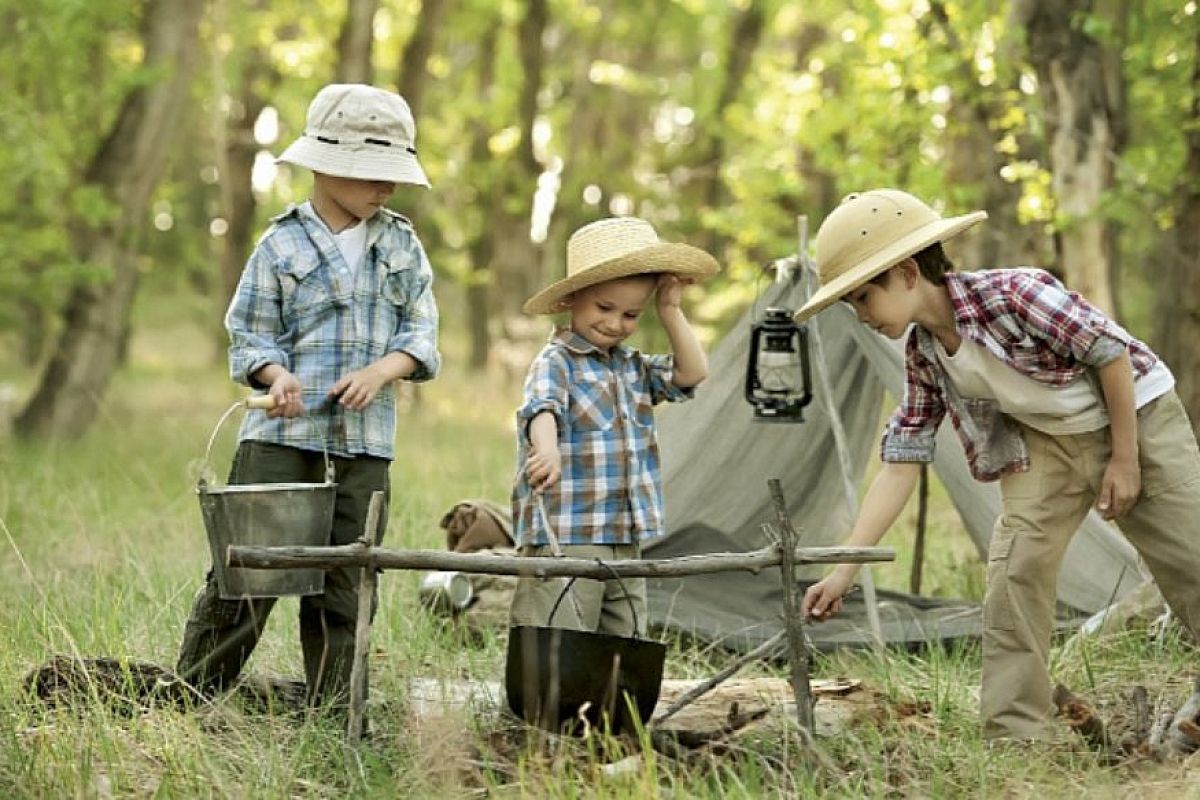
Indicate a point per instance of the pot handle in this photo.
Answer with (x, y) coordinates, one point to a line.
(624, 588)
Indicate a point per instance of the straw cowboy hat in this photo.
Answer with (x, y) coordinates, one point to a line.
(358, 131)
(618, 248)
(869, 233)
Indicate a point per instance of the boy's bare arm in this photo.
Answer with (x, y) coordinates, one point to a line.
(544, 464)
(1122, 482)
(357, 389)
(881, 506)
(691, 364)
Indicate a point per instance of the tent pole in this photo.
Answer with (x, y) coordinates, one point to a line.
(839, 436)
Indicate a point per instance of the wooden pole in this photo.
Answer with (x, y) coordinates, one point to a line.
(918, 564)
(257, 557)
(797, 652)
(362, 629)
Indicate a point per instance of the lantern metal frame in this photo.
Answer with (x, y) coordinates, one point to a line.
(770, 405)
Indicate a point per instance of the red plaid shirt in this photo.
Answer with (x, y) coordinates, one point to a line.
(1031, 322)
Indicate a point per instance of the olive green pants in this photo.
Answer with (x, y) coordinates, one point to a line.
(221, 634)
(1042, 510)
(616, 607)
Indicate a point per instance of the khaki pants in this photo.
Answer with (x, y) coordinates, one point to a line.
(610, 606)
(1042, 510)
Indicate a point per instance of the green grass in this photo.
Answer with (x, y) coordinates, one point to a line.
(103, 547)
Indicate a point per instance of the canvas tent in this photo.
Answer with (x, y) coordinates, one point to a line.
(716, 463)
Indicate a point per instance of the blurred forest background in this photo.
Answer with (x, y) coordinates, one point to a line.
(138, 141)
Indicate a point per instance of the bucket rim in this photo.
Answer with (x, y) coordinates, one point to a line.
(257, 488)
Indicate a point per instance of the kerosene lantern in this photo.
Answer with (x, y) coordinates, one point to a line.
(778, 382)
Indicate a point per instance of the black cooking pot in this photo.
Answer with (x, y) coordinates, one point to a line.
(555, 678)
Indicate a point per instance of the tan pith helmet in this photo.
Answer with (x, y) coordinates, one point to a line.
(618, 247)
(869, 233)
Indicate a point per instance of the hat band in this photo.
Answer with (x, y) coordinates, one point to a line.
(367, 140)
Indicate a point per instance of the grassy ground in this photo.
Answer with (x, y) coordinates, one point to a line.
(103, 547)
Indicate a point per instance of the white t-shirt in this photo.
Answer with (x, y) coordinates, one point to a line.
(1077, 407)
(353, 243)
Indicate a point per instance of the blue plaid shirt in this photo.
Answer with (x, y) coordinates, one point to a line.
(610, 491)
(299, 305)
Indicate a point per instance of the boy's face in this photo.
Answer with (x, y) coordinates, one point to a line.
(356, 199)
(606, 314)
(883, 304)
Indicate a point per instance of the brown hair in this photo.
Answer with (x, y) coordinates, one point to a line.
(934, 263)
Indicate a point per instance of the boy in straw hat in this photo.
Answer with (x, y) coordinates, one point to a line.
(1048, 395)
(588, 477)
(335, 305)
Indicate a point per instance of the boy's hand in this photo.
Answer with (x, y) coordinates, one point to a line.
(286, 390)
(543, 468)
(824, 598)
(357, 389)
(669, 291)
(1120, 487)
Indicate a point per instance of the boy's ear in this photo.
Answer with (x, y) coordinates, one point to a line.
(565, 303)
(910, 270)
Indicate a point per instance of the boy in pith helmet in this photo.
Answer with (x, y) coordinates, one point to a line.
(334, 307)
(588, 450)
(1048, 395)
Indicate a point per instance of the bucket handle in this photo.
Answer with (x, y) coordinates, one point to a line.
(624, 588)
(256, 402)
(558, 553)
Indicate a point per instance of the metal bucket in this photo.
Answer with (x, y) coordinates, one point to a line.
(269, 515)
(555, 678)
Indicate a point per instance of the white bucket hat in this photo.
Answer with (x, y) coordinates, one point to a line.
(618, 248)
(869, 233)
(358, 131)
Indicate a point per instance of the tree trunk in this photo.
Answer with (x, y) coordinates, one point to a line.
(414, 76)
(744, 38)
(973, 159)
(354, 42)
(478, 312)
(1178, 299)
(513, 253)
(1082, 92)
(126, 169)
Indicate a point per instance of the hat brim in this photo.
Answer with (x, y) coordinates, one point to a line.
(679, 259)
(916, 241)
(365, 162)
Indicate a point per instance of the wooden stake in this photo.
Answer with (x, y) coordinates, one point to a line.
(797, 652)
(362, 628)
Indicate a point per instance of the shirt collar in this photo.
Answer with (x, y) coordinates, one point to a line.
(580, 345)
(309, 215)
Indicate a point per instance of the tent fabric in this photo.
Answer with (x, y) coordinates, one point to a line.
(716, 463)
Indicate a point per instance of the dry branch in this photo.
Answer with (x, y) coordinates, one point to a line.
(356, 555)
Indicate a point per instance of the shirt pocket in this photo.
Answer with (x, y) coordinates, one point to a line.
(396, 279)
(305, 288)
(592, 407)
(642, 403)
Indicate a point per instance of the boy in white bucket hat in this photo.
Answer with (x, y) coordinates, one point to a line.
(588, 451)
(335, 306)
(1048, 396)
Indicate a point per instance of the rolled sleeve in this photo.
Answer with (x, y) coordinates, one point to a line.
(1069, 325)
(545, 390)
(912, 429)
(254, 320)
(417, 331)
(660, 370)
